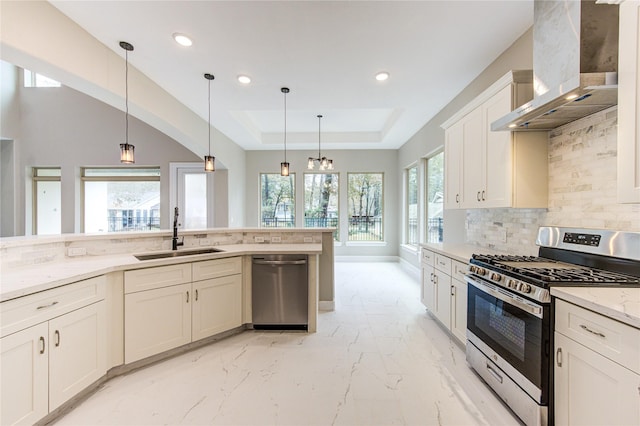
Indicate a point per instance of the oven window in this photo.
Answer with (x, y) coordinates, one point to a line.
(506, 329)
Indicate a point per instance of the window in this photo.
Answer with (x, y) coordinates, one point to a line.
(411, 228)
(321, 201)
(435, 198)
(121, 199)
(32, 79)
(365, 206)
(277, 200)
(47, 201)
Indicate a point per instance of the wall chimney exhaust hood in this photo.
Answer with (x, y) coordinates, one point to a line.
(575, 63)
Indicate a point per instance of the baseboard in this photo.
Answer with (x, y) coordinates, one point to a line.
(410, 269)
(326, 305)
(366, 258)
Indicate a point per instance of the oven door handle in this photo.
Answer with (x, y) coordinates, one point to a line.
(505, 297)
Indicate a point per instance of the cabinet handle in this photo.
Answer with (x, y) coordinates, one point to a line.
(196, 295)
(457, 198)
(559, 357)
(435, 279)
(478, 196)
(187, 297)
(47, 306)
(453, 291)
(597, 333)
(431, 277)
(483, 199)
(57, 336)
(43, 344)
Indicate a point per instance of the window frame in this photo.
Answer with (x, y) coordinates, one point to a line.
(336, 233)
(113, 178)
(31, 81)
(382, 240)
(292, 177)
(35, 178)
(435, 153)
(407, 225)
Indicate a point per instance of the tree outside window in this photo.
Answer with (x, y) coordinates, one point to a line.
(321, 201)
(365, 192)
(411, 228)
(277, 200)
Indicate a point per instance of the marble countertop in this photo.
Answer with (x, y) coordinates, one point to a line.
(459, 252)
(622, 304)
(21, 281)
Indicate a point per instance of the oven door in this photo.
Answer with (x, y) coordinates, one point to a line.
(516, 329)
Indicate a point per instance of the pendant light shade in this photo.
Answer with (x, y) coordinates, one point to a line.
(324, 163)
(126, 149)
(284, 166)
(209, 160)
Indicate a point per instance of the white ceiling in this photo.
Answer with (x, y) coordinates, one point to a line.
(326, 52)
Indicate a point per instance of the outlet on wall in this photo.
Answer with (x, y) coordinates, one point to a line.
(76, 251)
(258, 239)
(276, 239)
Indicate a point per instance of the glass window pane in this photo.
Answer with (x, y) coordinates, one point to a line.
(195, 201)
(277, 200)
(435, 199)
(121, 206)
(126, 171)
(412, 206)
(365, 206)
(40, 172)
(48, 207)
(321, 201)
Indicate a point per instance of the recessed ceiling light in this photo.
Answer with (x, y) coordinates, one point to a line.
(182, 39)
(382, 76)
(244, 79)
(571, 96)
(511, 126)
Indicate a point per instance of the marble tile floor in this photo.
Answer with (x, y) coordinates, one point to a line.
(378, 359)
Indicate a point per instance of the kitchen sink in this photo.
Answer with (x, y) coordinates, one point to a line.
(164, 255)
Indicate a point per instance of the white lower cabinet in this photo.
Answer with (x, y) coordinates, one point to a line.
(24, 367)
(181, 311)
(596, 374)
(444, 293)
(44, 365)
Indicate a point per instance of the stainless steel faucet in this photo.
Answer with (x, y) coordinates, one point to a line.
(174, 240)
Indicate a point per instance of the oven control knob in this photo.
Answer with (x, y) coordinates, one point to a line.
(512, 284)
(525, 288)
(481, 271)
(496, 277)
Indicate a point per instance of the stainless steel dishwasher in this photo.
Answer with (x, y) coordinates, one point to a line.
(280, 292)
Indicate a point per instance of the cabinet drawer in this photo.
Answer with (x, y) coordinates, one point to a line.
(216, 268)
(18, 314)
(458, 269)
(443, 263)
(617, 341)
(428, 257)
(161, 276)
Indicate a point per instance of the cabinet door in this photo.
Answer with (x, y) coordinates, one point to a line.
(459, 309)
(24, 367)
(591, 389)
(628, 100)
(156, 321)
(428, 292)
(77, 352)
(442, 287)
(453, 167)
(217, 306)
(497, 153)
(473, 162)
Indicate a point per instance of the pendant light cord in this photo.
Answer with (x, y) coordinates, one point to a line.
(126, 96)
(319, 119)
(209, 118)
(285, 126)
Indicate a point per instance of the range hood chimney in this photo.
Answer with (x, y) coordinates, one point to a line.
(575, 63)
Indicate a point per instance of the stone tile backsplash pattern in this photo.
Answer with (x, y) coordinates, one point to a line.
(582, 190)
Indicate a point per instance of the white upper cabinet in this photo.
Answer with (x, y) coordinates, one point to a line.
(628, 100)
(485, 169)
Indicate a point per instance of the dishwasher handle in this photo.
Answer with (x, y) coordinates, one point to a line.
(279, 262)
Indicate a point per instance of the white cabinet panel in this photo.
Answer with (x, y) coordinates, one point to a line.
(156, 321)
(160, 276)
(472, 161)
(453, 191)
(216, 268)
(24, 375)
(217, 306)
(591, 389)
(459, 309)
(77, 352)
(442, 287)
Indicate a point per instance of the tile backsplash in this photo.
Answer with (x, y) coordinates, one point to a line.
(582, 190)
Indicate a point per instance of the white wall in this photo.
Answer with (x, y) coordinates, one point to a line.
(62, 50)
(344, 161)
(431, 137)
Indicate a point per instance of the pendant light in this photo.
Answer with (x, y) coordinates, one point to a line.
(284, 166)
(323, 162)
(126, 149)
(209, 161)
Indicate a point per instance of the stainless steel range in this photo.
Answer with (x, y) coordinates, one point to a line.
(509, 309)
